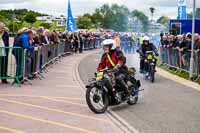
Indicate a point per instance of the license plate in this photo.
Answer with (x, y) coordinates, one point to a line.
(150, 57)
(99, 75)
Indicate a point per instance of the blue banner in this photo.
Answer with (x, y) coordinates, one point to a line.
(71, 24)
(182, 12)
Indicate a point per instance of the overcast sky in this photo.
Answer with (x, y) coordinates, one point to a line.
(58, 7)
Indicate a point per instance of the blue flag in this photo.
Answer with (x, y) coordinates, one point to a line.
(71, 24)
(182, 14)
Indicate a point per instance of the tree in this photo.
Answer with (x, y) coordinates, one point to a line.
(2, 18)
(163, 20)
(197, 16)
(142, 17)
(30, 17)
(85, 22)
(189, 15)
(111, 17)
(13, 26)
(198, 13)
(45, 25)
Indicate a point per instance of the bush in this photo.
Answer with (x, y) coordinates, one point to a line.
(30, 18)
(45, 25)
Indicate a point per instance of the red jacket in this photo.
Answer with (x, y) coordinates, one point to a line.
(117, 58)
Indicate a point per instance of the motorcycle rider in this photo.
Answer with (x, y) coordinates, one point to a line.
(146, 46)
(114, 59)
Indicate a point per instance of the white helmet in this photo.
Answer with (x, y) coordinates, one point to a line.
(146, 38)
(108, 42)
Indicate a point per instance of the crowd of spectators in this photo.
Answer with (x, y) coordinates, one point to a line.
(32, 39)
(176, 50)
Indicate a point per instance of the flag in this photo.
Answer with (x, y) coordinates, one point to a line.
(71, 24)
(182, 9)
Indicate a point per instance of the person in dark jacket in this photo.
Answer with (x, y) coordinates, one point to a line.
(181, 46)
(22, 41)
(4, 42)
(197, 51)
(81, 42)
(146, 46)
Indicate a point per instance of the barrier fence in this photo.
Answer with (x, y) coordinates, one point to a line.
(11, 63)
(180, 60)
(19, 64)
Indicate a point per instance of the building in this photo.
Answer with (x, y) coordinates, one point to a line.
(61, 21)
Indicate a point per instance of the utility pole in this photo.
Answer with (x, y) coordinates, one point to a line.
(193, 32)
(13, 20)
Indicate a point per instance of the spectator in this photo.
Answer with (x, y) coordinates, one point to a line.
(4, 42)
(181, 49)
(76, 42)
(23, 41)
(187, 50)
(163, 49)
(173, 56)
(46, 36)
(197, 52)
(81, 42)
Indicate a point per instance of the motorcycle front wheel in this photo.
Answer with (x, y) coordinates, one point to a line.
(97, 100)
(152, 74)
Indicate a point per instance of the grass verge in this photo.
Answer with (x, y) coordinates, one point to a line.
(179, 73)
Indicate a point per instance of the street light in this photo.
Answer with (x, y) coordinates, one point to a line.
(152, 10)
(193, 32)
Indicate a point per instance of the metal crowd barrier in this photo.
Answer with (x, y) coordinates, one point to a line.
(11, 63)
(180, 61)
(21, 65)
(37, 61)
(90, 44)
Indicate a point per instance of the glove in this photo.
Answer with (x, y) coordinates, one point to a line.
(116, 69)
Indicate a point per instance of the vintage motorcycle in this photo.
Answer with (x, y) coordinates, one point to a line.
(150, 64)
(100, 94)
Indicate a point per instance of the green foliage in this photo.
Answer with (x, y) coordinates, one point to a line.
(198, 13)
(142, 17)
(108, 17)
(85, 22)
(30, 18)
(26, 18)
(2, 18)
(181, 74)
(163, 20)
(45, 25)
(12, 27)
(197, 16)
(189, 15)
(19, 13)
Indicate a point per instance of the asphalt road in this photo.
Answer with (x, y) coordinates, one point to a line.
(164, 107)
(55, 104)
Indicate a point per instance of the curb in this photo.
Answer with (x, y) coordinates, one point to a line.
(116, 119)
(178, 79)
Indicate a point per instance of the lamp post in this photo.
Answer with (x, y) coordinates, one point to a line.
(193, 32)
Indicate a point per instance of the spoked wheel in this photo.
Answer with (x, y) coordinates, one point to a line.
(152, 74)
(133, 99)
(97, 100)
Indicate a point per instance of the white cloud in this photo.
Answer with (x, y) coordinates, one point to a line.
(57, 7)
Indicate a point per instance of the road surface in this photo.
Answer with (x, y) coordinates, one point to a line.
(164, 107)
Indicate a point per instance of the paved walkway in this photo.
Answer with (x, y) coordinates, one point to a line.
(55, 104)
